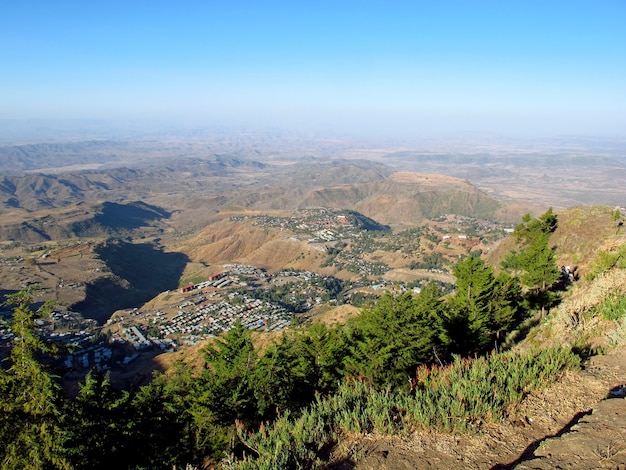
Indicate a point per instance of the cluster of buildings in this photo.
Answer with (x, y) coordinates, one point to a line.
(230, 275)
(92, 356)
(212, 319)
(322, 226)
(318, 225)
(136, 338)
(471, 223)
(217, 281)
(212, 306)
(353, 263)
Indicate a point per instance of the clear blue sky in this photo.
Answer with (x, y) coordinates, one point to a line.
(504, 66)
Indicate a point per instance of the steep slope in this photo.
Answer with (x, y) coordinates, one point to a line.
(578, 422)
(582, 232)
(414, 196)
(574, 424)
(226, 241)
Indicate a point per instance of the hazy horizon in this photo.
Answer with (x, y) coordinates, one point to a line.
(394, 69)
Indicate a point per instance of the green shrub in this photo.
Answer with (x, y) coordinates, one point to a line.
(613, 308)
(455, 397)
(607, 260)
(617, 337)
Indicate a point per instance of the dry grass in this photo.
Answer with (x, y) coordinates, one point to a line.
(581, 233)
(579, 307)
(334, 315)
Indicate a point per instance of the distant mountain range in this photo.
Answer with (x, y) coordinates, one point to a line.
(96, 202)
(559, 172)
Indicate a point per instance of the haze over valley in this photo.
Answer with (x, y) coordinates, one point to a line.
(149, 250)
(312, 235)
(107, 225)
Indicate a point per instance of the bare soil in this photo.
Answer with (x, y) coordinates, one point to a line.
(578, 423)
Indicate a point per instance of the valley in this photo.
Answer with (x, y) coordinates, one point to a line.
(151, 253)
(298, 262)
(101, 227)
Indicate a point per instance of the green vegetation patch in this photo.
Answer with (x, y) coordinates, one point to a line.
(607, 260)
(613, 307)
(455, 397)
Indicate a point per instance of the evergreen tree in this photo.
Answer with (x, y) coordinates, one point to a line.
(535, 262)
(227, 385)
(97, 424)
(540, 273)
(284, 378)
(326, 347)
(465, 322)
(166, 428)
(505, 305)
(474, 283)
(30, 431)
(531, 228)
(390, 340)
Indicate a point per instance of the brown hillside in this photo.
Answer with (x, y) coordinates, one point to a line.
(406, 197)
(286, 252)
(226, 241)
(582, 231)
(243, 242)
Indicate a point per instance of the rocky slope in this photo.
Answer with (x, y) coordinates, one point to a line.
(577, 424)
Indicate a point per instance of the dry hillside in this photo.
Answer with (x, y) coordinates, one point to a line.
(577, 423)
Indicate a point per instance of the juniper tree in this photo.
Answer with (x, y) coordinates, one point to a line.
(540, 273)
(97, 423)
(285, 377)
(391, 339)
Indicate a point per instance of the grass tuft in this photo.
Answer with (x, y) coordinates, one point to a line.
(452, 398)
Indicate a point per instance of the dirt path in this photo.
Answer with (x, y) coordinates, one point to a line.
(576, 424)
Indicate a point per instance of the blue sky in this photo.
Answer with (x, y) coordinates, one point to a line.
(420, 67)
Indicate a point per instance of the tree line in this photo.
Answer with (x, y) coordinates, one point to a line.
(188, 417)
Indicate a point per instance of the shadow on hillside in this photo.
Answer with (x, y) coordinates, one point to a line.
(140, 272)
(529, 452)
(6, 310)
(523, 329)
(129, 216)
(119, 219)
